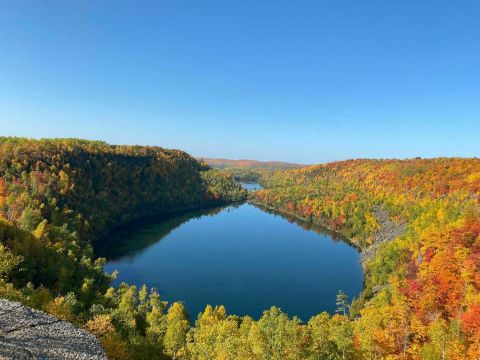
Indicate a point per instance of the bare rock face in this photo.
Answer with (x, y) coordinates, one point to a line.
(26, 333)
(388, 231)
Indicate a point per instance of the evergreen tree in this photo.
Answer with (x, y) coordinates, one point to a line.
(342, 303)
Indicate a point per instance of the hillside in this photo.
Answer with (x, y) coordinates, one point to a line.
(416, 221)
(250, 164)
(57, 196)
(422, 284)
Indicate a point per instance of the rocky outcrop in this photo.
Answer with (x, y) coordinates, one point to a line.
(26, 333)
(388, 231)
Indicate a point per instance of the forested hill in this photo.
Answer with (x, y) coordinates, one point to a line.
(250, 164)
(422, 285)
(418, 220)
(57, 196)
(92, 186)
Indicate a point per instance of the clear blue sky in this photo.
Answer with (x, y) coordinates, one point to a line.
(303, 81)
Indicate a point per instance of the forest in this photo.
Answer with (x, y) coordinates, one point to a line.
(421, 297)
(250, 164)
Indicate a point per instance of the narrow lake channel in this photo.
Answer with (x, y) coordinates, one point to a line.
(239, 256)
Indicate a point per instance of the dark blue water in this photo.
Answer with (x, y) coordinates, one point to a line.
(239, 256)
(250, 186)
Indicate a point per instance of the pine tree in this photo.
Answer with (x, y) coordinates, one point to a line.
(342, 303)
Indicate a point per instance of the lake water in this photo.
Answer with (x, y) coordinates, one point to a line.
(250, 186)
(240, 256)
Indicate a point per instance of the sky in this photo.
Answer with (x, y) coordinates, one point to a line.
(305, 81)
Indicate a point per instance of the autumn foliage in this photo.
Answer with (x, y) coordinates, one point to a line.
(421, 298)
(422, 289)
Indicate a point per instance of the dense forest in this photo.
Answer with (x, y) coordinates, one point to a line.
(422, 288)
(249, 170)
(250, 164)
(58, 196)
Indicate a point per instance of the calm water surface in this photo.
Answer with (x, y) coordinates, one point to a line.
(250, 186)
(239, 256)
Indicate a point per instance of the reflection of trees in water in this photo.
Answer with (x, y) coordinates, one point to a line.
(307, 225)
(135, 236)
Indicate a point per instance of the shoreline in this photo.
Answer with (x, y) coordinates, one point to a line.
(387, 232)
(307, 221)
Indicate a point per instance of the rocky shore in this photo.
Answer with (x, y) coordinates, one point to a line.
(388, 231)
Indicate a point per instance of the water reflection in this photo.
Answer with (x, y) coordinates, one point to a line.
(132, 238)
(250, 186)
(242, 256)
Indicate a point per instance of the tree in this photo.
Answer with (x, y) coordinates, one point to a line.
(275, 336)
(114, 346)
(342, 303)
(342, 335)
(29, 219)
(320, 333)
(8, 262)
(216, 336)
(126, 311)
(176, 333)
(156, 319)
(444, 344)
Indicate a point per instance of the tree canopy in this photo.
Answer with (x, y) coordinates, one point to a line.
(422, 288)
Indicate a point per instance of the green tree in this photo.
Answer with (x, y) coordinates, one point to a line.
(342, 303)
(320, 332)
(275, 336)
(176, 333)
(156, 319)
(127, 307)
(342, 336)
(8, 262)
(29, 219)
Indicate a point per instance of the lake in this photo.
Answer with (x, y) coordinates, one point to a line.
(250, 186)
(239, 256)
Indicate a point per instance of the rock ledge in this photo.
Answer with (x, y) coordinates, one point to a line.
(26, 333)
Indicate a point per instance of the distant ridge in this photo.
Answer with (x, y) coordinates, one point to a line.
(250, 164)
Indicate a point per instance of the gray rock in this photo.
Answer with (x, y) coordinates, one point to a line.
(377, 288)
(388, 231)
(26, 333)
